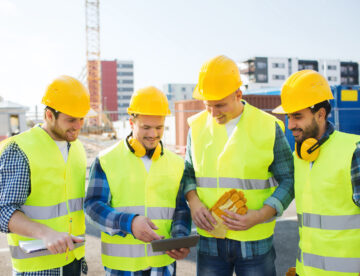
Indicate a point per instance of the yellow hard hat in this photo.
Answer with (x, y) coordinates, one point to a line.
(67, 95)
(218, 78)
(149, 101)
(303, 89)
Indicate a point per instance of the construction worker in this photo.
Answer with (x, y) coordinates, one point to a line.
(327, 179)
(42, 185)
(232, 144)
(134, 194)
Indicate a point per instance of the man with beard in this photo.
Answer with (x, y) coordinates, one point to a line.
(134, 194)
(42, 185)
(327, 179)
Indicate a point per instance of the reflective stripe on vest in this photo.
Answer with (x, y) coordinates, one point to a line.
(152, 212)
(345, 265)
(329, 222)
(236, 183)
(50, 212)
(328, 219)
(54, 184)
(128, 250)
(137, 191)
(222, 163)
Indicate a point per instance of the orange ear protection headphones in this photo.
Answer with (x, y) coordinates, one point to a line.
(139, 150)
(309, 149)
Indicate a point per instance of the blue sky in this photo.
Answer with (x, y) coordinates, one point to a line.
(168, 40)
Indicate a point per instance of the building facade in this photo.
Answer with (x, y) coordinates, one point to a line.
(269, 72)
(178, 92)
(117, 86)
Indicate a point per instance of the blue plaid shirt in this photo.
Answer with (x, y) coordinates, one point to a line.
(107, 219)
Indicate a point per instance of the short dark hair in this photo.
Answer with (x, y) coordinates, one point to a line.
(325, 104)
(53, 111)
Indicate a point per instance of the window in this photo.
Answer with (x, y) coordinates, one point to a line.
(125, 97)
(278, 77)
(126, 81)
(278, 65)
(122, 65)
(128, 89)
(261, 65)
(123, 104)
(331, 67)
(124, 73)
(262, 77)
(332, 78)
(183, 89)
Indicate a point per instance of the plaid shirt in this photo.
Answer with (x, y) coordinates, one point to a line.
(107, 219)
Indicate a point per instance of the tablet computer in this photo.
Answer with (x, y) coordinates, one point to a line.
(175, 243)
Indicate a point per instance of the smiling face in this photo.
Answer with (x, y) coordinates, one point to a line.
(148, 129)
(225, 109)
(304, 124)
(62, 128)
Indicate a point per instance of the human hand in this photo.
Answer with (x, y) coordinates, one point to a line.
(235, 221)
(201, 216)
(58, 242)
(142, 229)
(178, 254)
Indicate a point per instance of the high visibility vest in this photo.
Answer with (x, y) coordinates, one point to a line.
(134, 190)
(240, 161)
(57, 194)
(329, 221)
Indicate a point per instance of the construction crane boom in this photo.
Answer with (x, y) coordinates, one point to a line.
(93, 58)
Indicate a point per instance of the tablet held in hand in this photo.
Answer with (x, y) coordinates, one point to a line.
(175, 243)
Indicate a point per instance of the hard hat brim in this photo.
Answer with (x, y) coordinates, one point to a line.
(197, 95)
(279, 110)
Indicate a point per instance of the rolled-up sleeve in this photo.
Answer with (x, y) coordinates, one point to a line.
(282, 168)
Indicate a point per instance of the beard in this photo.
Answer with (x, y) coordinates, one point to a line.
(310, 131)
(62, 134)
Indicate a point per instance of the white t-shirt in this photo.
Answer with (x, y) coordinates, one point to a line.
(147, 162)
(63, 147)
(230, 126)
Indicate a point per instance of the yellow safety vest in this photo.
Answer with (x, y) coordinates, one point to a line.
(57, 193)
(134, 190)
(329, 221)
(240, 161)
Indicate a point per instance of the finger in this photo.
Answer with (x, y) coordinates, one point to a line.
(232, 214)
(60, 246)
(77, 239)
(209, 217)
(152, 225)
(69, 243)
(205, 224)
(51, 248)
(175, 254)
